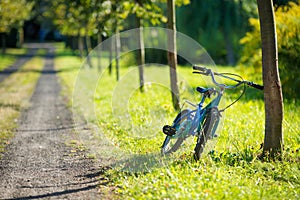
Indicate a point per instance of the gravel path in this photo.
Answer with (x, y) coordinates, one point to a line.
(37, 163)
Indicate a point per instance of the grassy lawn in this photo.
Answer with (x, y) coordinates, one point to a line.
(10, 57)
(132, 123)
(15, 92)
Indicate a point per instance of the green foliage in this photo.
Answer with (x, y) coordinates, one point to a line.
(13, 14)
(149, 11)
(251, 53)
(288, 36)
(217, 26)
(72, 18)
(128, 60)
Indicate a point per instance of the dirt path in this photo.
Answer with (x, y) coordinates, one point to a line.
(37, 163)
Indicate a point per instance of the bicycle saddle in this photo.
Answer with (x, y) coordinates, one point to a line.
(202, 90)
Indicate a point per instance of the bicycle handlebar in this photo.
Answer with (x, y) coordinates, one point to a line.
(203, 69)
(259, 87)
(209, 72)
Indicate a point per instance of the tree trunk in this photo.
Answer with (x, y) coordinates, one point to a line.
(140, 53)
(87, 48)
(172, 53)
(20, 37)
(111, 51)
(3, 39)
(273, 141)
(74, 44)
(117, 49)
(226, 31)
(99, 51)
(80, 46)
(229, 49)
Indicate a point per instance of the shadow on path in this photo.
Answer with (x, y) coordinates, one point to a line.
(56, 194)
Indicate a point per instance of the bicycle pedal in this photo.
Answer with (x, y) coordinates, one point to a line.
(169, 130)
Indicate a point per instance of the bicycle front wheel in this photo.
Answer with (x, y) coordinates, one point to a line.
(207, 131)
(172, 144)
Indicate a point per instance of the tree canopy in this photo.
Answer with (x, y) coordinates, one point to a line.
(13, 14)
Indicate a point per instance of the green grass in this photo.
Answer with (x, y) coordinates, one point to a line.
(230, 171)
(10, 57)
(15, 92)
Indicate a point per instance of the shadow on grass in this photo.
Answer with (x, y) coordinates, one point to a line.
(66, 52)
(9, 105)
(142, 163)
(43, 71)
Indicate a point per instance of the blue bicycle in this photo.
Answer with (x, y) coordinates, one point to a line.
(201, 122)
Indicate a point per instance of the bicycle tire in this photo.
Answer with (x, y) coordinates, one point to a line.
(207, 131)
(173, 148)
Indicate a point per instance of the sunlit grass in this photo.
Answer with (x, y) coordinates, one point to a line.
(132, 121)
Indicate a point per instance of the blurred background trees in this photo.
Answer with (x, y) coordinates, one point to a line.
(227, 29)
(13, 14)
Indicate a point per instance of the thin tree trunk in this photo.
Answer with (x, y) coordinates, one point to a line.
(273, 141)
(117, 49)
(88, 43)
(3, 39)
(87, 48)
(229, 50)
(80, 46)
(226, 29)
(74, 46)
(99, 37)
(20, 37)
(172, 53)
(140, 53)
(111, 52)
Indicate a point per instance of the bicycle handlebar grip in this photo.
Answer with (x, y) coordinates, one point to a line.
(203, 69)
(260, 87)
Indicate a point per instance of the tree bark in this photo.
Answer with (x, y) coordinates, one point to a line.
(117, 49)
(80, 45)
(172, 53)
(3, 39)
(74, 45)
(229, 49)
(226, 29)
(20, 37)
(99, 51)
(140, 53)
(111, 51)
(87, 48)
(273, 141)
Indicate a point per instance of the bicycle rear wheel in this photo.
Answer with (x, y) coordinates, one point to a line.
(207, 131)
(172, 144)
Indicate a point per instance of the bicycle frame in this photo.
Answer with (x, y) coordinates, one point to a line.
(197, 116)
(204, 120)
